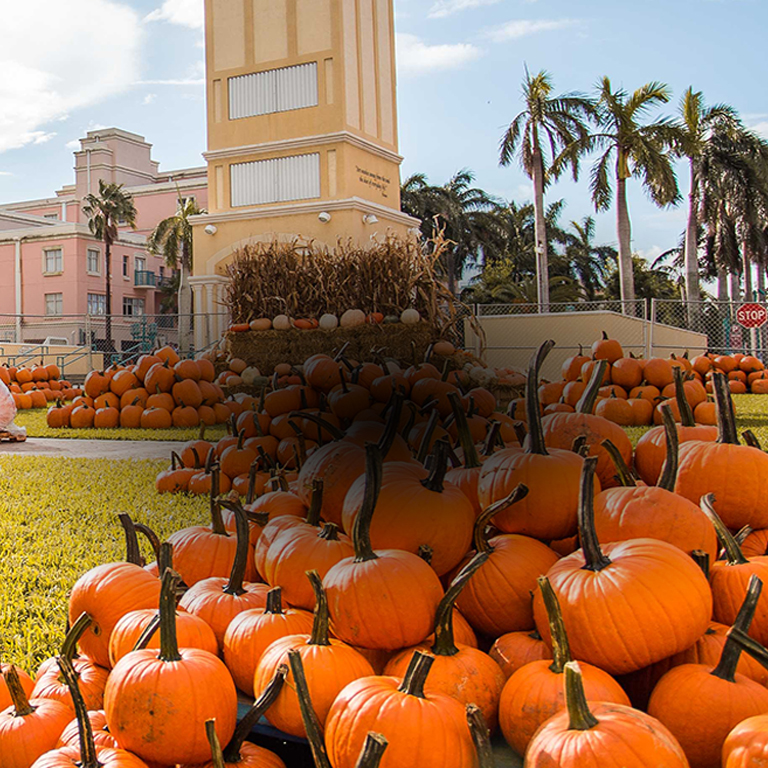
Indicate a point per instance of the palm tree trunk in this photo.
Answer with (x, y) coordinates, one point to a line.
(747, 262)
(735, 287)
(185, 300)
(722, 285)
(108, 303)
(692, 290)
(624, 231)
(540, 233)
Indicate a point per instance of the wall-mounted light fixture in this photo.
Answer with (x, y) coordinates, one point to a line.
(369, 218)
(211, 230)
(324, 216)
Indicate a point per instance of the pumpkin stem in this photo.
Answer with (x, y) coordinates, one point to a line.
(439, 467)
(623, 472)
(315, 503)
(88, 757)
(686, 413)
(733, 553)
(331, 429)
(165, 557)
(213, 739)
(411, 420)
(520, 431)
(580, 718)
(217, 522)
(252, 472)
(426, 553)
(518, 493)
(426, 438)
(320, 627)
(268, 696)
(147, 634)
(444, 644)
(668, 476)
(274, 601)
(150, 536)
(373, 751)
(480, 736)
(392, 424)
(242, 530)
(579, 446)
(755, 649)
(132, 551)
(726, 418)
(492, 438)
(169, 647)
(311, 723)
(586, 402)
(361, 530)
(701, 558)
(729, 658)
(594, 559)
(75, 632)
(561, 650)
(471, 459)
(416, 675)
(21, 705)
(532, 407)
(329, 532)
(750, 438)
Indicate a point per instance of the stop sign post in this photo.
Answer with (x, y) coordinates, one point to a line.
(752, 315)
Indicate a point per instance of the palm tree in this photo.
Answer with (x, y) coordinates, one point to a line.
(105, 211)
(697, 122)
(587, 261)
(635, 149)
(172, 239)
(466, 215)
(547, 125)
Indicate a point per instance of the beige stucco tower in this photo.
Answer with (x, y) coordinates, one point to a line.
(302, 127)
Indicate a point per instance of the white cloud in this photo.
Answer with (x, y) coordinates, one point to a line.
(513, 30)
(174, 81)
(74, 144)
(651, 254)
(415, 57)
(443, 8)
(5, 173)
(148, 99)
(186, 13)
(71, 65)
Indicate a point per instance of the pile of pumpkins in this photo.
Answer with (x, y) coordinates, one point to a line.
(634, 389)
(379, 603)
(36, 386)
(351, 318)
(159, 391)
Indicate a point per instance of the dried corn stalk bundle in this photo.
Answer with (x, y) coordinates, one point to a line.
(304, 279)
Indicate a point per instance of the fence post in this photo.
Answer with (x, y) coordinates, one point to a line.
(651, 328)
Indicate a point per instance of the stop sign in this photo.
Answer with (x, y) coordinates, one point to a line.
(752, 315)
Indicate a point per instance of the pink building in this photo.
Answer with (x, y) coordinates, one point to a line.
(52, 268)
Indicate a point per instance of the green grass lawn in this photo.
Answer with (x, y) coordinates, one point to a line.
(58, 518)
(35, 422)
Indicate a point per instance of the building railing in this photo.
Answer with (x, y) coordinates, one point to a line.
(143, 278)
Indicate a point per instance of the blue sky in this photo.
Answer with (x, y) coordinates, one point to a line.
(460, 63)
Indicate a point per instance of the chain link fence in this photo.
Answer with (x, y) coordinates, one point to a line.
(717, 321)
(71, 339)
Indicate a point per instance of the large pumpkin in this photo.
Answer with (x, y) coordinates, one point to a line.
(424, 729)
(157, 705)
(599, 734)
(370, 594)
(605, 595)
(550, 474)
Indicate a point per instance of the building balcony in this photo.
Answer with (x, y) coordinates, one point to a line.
(144, 279)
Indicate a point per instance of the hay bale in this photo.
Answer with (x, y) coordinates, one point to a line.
(266, 349)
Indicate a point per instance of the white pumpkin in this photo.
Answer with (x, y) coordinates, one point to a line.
(328, 322)
(250, 374)
(352, 318)
(410, 316)
(261, 324)
(281, 323)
